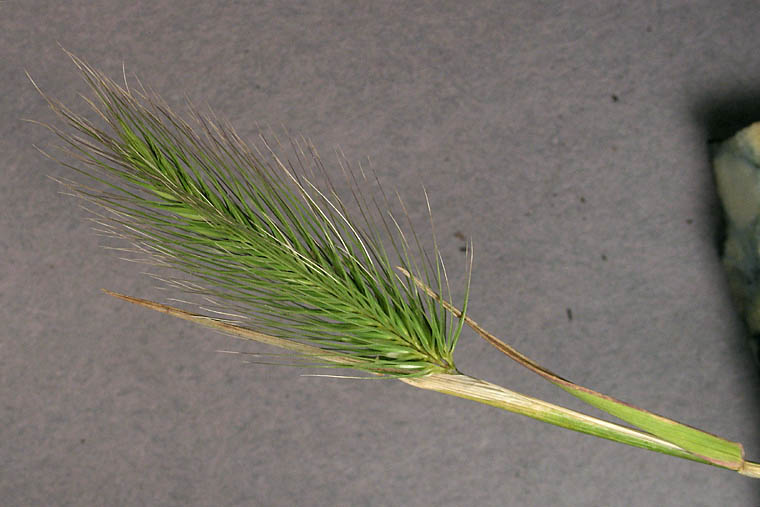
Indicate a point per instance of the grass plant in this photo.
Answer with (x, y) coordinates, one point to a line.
(272, 253)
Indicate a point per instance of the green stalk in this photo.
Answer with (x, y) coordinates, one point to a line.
(474, 389)
(700, 445)
(464, 386)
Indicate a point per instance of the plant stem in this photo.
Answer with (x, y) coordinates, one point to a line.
(706, 446)
(464, 386)
(750, 469)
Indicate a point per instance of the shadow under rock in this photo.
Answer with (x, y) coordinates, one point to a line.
(720, 117)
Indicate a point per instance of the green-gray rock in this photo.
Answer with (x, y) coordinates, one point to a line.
(737, 171)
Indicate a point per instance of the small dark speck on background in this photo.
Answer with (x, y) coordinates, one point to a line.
(604, 257)
(689, 221)
(459, 235)
(583, 200)
(614, 98)
(569, 314)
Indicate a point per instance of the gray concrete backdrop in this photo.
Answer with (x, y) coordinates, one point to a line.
(568, 139)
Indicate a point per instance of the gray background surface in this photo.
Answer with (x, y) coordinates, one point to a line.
(567, 139)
